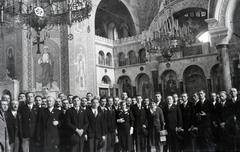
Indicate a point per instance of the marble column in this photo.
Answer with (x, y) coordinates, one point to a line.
(24, 61)
(225, 62)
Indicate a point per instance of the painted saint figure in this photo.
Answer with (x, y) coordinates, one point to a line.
(10, 63)
(46, 63)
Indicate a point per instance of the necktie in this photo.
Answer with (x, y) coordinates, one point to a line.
(95, 113)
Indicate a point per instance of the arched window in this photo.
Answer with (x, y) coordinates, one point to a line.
(109, 59)
(101, 58)
(121, 59)
(142, 56)
(132, 57)
(106, 80)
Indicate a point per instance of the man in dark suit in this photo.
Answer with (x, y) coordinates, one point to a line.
(236, 102)
(102, 108)
(48, 126)
(29, 114)
(140, 125)
(63, 128)
(156, 123)
(187, 109)
(111, 125)
(173, 119)
(203, 122)
(158, 99)
(78, 123)
(95, 130)
(4, 140)
(214, 119)
(13, 119)
(226, 113)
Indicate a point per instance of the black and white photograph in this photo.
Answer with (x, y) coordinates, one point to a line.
(120, 76)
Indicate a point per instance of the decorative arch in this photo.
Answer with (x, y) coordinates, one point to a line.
(102, 6)
(106, 80)
(125, 85)
(143, 85)
(194, 79)
(121, 59)
(101, 58)
(132, 57)
(169, 82)
(109, 59)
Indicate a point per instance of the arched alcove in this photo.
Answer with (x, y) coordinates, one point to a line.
(109, 59)
(124, 83)
(121, 59)
(113, 20)
(142, 56)
(169, 82)
(194, 79)
(132, 57)
(143, 85)
(101, 58)
(106, 80)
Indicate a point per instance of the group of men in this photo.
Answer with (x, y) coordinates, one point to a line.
(112, 124)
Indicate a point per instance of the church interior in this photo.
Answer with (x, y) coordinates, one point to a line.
(112, 46)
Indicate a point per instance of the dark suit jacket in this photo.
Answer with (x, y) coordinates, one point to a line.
(29, 120)
(95, 127)
(64, 130)
(226, 112)
(155, 119)
(47, 132)
(173, 117)
(3, 132)
(139, 119)
(76, 120)
(203, 121)
(104, 112)
(111, 120)
(13, 126)
(188, 116)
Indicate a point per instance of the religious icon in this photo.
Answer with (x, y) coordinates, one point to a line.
(10, 63)
(47, 64)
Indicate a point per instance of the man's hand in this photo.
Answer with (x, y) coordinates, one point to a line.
(79, 131)
(85, 137)
(222, 125)
(131, 130)
(104, 138)
(121, 120)
(55, 123)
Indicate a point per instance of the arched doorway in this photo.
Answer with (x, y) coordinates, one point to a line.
(105, 88)
(169, 83)
(216, 78)
(124, 83)
(194, 79)
(143, 85)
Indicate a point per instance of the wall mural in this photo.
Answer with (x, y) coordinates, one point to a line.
(47, 71)
(10, 63)
(81, 69)
(169, 79)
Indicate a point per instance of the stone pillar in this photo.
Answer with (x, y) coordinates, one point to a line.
(24, 61)
(225, 62)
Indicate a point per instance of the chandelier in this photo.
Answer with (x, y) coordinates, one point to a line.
(43, 14)
(168, 38)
